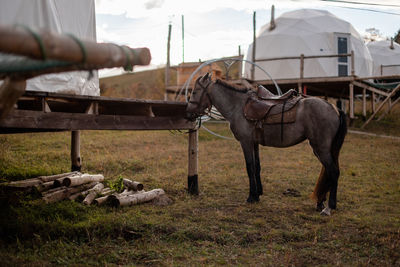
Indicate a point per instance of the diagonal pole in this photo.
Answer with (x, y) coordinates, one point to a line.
(381, 106)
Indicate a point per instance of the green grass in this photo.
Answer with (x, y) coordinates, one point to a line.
(215, 228)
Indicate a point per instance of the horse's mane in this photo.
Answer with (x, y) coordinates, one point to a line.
(234, 87)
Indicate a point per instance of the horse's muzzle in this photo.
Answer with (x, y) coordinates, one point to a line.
(191, 116)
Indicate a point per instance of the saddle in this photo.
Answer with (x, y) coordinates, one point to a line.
(266, 108)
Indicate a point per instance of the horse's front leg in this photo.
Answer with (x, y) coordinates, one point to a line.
(249, 155)
(258, 169)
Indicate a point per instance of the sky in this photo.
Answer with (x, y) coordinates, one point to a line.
(216, 28)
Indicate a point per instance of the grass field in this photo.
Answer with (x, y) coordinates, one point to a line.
(217, 227)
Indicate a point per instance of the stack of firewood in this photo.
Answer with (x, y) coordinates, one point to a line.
(87, 188)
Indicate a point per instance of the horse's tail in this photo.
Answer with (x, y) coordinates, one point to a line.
(339, 137)
(322, 186)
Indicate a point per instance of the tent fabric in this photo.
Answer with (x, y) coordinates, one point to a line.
(309, 32)
(382, 54)
(75, 17)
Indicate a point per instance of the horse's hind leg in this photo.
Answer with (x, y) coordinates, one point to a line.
(327, 181)
(320, 190)
(332, 175)
(258, 169)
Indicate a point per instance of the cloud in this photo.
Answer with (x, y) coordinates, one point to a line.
(153, 4)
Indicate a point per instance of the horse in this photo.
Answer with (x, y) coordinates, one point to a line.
(316, 120)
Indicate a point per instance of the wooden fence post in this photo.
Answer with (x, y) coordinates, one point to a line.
(193, 185)
(167, 66)
(351, 100)
(364, 104)
(373, 102)
(353, 72)
(300, 85)
(253, 55)
(10, 91)
(75, 151)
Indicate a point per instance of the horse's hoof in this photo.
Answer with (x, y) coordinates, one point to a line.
(320, 206)
(253, 199)
(326, 212)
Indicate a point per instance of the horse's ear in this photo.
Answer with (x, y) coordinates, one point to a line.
(205, 77)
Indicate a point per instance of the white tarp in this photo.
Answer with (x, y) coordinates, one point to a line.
(382, 54)
(76, 17)
(309, 32)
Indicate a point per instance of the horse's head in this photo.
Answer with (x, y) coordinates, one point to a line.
(199, 100)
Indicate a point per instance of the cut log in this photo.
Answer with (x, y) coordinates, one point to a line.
(44, 186)
(100, 201)
(82, 179)
(57, 176)
(107, 191)
(80, 196)
(92, 194)
(24, 183)
(134, 199)
(64, 192)
(59, 181)
(132, 185)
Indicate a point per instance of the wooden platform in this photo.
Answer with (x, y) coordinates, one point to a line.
(41, 111)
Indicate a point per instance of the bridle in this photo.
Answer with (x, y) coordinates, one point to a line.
(204, 94)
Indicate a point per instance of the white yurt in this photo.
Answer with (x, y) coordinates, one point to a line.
(309, 32)
(385, 55)
(75, 17)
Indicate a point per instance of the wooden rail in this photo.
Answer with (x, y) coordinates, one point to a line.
(38, 111)
(388, 66)
(302, 57)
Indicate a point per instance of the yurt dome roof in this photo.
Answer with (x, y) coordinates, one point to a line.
(385, 55)
(308, 32)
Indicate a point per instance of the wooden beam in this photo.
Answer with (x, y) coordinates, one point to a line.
(56, 121)
(379, 77)
(295, 81)
(193, 150)
(370, 88)
(10, 91)
(381, 105)
(386, 112)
